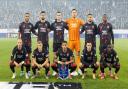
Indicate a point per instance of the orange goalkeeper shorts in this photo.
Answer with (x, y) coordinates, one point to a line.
(74, 45)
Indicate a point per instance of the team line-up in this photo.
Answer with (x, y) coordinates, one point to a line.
(64, 63)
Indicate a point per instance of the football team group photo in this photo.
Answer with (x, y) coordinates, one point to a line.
(81, 42)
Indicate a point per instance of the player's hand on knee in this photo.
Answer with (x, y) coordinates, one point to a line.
(17, 65)
(21, 63)
(59, 62)
(38, 65)
(41, 66)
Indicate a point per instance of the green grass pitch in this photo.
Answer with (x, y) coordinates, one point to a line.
(121, 46)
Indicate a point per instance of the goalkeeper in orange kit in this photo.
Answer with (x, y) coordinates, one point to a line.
(74, 25)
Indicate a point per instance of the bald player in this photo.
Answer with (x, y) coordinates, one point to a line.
(18, 59)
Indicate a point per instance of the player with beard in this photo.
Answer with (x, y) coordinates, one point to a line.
(25, 30)
(43, 27)
(90, 29)
(89, 60)
(105, 31)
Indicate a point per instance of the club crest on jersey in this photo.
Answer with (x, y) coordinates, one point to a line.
(67, 54)
(37, 54)
(40, 24)
(24, 26)
(61, 54)
(101, 28)
(108, 27)
(46, 25)
(42, 53)
(61, 23)
(74, 25)
(30, 26)
(86, 26)
(92, 27)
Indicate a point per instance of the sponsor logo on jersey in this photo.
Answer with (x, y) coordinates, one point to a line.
(26, 30)
(104, 32)
(108, 27)
(58, 28)
(42, 29)
(89, 31)
(74, 25)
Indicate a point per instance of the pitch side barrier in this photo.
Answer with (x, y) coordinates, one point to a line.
(13, 33)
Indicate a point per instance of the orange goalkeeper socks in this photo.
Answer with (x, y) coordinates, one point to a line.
(78, 61)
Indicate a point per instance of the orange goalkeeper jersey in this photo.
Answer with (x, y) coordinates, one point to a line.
(74, 25)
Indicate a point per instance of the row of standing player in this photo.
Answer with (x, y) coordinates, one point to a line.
(73, 25)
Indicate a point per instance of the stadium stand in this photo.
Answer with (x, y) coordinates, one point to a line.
(11, 11)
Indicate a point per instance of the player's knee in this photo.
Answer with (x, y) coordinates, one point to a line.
(53, 65)
(33, 66)
(47, 65)
(81, 65)
(32, 63)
